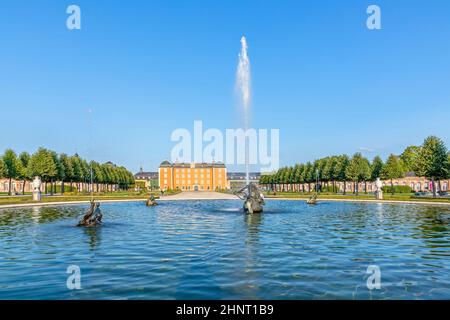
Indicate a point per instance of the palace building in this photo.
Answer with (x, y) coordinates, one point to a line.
(193, 176)
(146, 180)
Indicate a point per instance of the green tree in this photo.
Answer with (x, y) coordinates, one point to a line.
(98, 174)
(365, 172)
(298, 173)
(309, 174)
(77, 170)
(60, 172)
(2, 168)
(393, 169)
(377, 167)
(433, 160)
(330, 172)
(342, 163)
(410, 158)
(327, 170)
(358, 171)
(448, 166)
(352, 171)
(68, 171)
(42, 164)
(24, 159)
(11, 167)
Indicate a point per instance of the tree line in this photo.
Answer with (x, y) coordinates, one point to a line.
(65, 170)
(431, 160)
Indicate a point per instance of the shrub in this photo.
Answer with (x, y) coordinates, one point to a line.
(397, 189)
(57, 189)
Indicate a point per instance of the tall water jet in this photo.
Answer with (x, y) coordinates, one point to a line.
(253, 199)
(243, 86)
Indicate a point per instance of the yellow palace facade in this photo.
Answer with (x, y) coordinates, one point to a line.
(192, 176)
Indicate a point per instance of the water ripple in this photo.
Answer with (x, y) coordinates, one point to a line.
(211, 250)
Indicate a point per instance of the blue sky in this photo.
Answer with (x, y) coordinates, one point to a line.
(146, 68)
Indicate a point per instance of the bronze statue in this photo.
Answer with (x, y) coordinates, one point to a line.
(312, 199)
(93, 217)
(151, 201)
(253, 199)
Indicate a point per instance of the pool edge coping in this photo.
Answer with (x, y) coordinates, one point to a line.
(45, 204)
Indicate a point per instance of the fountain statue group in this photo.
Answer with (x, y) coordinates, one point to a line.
(253, 199)
(93, 217)
(151, 201)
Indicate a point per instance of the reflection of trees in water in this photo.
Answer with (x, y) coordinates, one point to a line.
(13, 217)
(94, 236)
(433, 223)
(433, 230)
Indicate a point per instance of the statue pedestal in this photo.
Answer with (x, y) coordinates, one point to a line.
(37, 196)
(379, 195)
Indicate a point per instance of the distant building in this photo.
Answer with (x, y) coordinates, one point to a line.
(414, 182)
(147, 180)
(193, 176)
(17, 186)
(109, 163)
(237, 180)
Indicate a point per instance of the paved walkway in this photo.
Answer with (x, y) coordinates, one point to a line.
(200, 195)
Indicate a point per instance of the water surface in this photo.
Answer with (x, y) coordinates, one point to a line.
(212, 250)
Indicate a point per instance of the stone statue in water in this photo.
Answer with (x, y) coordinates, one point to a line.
(151, 201)
(253, 199)
(93, 217)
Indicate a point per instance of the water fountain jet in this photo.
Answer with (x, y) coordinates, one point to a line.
(243, 86)
(253, 201)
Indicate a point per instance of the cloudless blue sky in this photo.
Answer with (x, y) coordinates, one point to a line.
(146, 68)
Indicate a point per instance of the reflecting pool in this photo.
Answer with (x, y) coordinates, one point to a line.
(212, 250)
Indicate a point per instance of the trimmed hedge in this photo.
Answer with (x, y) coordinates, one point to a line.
(397, 189)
